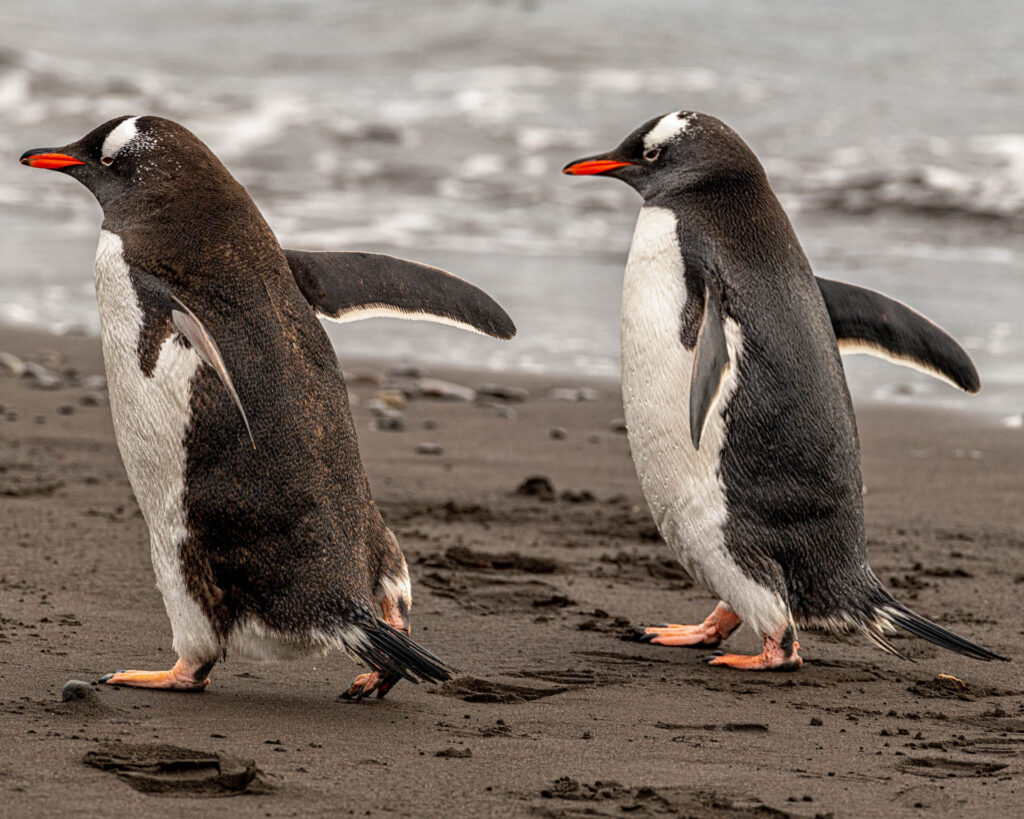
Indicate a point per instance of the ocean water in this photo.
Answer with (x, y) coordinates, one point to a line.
(893, 133)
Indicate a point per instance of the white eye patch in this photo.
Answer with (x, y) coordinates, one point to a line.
(666, 128)
(124, 133)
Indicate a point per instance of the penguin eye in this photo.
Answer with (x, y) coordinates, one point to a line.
(652, 154)
(106, 160)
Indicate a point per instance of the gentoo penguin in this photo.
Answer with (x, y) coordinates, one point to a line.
(738, 414)
(231, 412)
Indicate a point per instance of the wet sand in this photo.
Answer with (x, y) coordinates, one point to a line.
(530, 596)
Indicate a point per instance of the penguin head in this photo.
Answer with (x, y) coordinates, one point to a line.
(672, 153)
(126, 156)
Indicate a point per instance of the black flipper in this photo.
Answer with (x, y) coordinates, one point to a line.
(868, 322)
(188, 325)
(352, 286)
(202, 342)
(710, 362)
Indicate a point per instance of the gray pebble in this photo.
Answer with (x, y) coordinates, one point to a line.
(618, 425)
(506, 412)
(430, 423)
(429, 449)
(558, 433)
(444, 390)
(77, 690)
(94, 382)
(65, 409)
(389, 419)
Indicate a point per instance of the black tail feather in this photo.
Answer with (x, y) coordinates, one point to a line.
(919, 626)
(386, 649)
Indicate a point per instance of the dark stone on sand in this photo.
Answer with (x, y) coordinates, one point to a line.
(618, 425)
(91, 399)
(167, 770)
(389, 419)
(65, 409)
(536, 486)
(429, 449)
(506, 412)
(557, 433)
(77, 690)
(429, 423)
(502, 392)
(583, 496)
(455, 753)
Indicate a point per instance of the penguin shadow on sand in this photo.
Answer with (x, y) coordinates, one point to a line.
(739, 418)
(231, 413)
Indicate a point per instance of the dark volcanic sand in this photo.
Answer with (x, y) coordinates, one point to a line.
(552, 713)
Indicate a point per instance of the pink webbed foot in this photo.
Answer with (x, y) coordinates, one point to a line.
(185, 676)
(779, 654)
(718, 625)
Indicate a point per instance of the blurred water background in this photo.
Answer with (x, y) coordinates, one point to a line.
(892, 131)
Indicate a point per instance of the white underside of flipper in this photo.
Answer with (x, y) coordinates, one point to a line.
(683, 486)
(151, 416)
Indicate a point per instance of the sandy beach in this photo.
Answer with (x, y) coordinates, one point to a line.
(531, 595)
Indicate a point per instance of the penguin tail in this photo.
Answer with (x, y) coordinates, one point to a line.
(371, 641)
(885, 614)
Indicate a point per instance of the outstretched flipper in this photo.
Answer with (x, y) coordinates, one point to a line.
(868, 322)
(352, 286)
(186, 323)
(710, 363)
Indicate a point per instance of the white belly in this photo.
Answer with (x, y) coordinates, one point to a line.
(151, 416)
(683, 486)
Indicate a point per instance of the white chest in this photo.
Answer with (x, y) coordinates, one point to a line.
(682, 485)
(151, 415)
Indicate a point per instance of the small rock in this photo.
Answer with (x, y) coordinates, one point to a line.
(11, 415)
(91, 399)
(537, 486)
(77, 690)
(444, 390)
(455, 753)
(392, 398)
(389, 419)
(575, 394)
(506, 412)
(65, 409)
(593, 438)
(94, 382)
(10, 364)
(583, 496)
(42, 378)
(502, 392)
(558, 433)
(363, 376)
(429, 423)
(429, 449)
(406, 370)
(618, 425)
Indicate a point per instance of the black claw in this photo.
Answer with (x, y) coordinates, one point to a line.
(707, 658)
(106, 677)
(646, 638)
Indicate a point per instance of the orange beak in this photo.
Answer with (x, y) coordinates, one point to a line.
(588, 167)
(49, 161)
